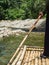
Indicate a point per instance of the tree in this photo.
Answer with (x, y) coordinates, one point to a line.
(21, 9)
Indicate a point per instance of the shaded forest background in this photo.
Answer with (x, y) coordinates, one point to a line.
(20, 9)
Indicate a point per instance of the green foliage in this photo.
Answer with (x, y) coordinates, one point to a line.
(20, 9)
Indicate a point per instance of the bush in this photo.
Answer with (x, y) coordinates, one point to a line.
(20, 9)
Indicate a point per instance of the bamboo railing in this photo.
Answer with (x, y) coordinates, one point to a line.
(17, 50)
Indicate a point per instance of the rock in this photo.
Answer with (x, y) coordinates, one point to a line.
(8, 27)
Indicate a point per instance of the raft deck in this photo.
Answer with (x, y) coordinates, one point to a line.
(29, 55)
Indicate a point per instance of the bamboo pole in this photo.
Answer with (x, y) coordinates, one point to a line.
(47, 61)
(15, 61)
(33, 60)
(40, 63)
(22, 56)
(36, 61)
(35, 47)
(39, 54)
(33, 26)
(26, 54)
(43, 61)
(30, 58)
(27, 58)
(36, 53)
(31, 49)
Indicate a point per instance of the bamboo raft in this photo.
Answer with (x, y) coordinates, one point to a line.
(29, 55)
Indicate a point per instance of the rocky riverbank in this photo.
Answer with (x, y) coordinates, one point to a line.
(8, 27)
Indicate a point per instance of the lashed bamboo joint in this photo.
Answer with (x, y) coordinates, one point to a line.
(30, 56)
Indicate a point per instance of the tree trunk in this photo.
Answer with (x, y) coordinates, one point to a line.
(46, 43)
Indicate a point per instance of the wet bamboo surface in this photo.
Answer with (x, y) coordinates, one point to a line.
(31, 56)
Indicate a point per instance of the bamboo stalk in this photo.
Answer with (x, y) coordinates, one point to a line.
(30, 58)
(43, 61)
(36, 61)
(27, 58)
(32, 49)
(47, 61)
(15, 61)
(33, 26)
(37, 47)
(11, 60)
(22, 56)
(33, 60)
(36, 54)
(39, 53)
(40, 63)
